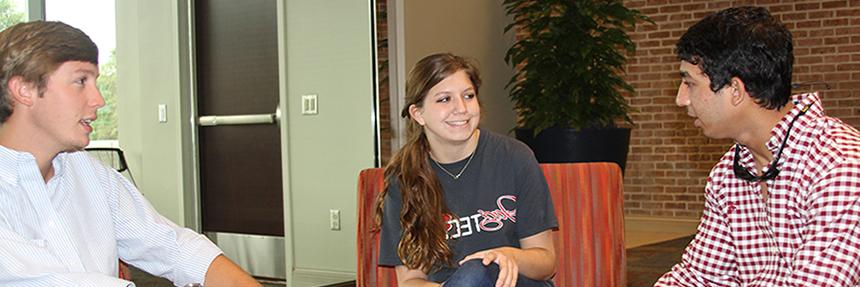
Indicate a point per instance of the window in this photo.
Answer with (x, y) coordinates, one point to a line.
(12, 12)
(97, 18)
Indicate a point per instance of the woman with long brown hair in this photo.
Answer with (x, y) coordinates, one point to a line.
(462, 206)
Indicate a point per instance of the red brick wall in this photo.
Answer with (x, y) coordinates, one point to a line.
(669, 158)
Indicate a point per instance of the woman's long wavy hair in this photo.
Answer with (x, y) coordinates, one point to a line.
(423, 215)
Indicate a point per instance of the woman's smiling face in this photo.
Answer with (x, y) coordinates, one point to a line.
(450, 112)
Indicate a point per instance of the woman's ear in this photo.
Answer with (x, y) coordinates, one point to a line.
(416, 114)
(21, 91)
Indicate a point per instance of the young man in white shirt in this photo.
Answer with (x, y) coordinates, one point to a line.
(65, 218)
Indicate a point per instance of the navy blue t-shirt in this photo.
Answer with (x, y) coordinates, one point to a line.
(500, 198)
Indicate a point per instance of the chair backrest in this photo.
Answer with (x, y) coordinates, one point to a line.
(589, 243)
(113, 158)
(589, 205)
(368, 273)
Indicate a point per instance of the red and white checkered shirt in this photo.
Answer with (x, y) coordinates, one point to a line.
(808, 231)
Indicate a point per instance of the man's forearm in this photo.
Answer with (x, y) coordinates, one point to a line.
(223, 272)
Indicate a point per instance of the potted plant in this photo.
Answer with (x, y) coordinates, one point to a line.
(568, 89)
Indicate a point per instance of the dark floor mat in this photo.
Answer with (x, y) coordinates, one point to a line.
(645, 264)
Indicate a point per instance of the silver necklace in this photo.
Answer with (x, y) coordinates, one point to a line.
(455, 176)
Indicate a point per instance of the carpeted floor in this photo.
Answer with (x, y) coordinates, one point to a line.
(645, 264)
(143, 279)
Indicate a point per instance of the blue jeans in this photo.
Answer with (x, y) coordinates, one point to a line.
(474, 274)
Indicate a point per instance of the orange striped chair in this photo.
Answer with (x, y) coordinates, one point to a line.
(589, 243)
(368, 273)
(124, 273)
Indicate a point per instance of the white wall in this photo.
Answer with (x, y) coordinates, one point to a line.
(471, 29)
(329, 54)
(149, 74)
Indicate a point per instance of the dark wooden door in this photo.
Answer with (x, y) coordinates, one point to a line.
(237, 73)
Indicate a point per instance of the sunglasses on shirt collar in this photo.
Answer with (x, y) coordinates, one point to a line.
(772, 172)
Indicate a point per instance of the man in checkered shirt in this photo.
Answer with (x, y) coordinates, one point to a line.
(781, 206)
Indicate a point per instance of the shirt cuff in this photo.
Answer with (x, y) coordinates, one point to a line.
(197, 255)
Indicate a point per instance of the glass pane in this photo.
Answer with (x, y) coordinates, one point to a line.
(12, 12)
(97, 19)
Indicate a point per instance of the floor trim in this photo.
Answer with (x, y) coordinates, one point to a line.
(310, 277)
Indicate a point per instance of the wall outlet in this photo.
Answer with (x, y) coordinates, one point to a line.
(309, 105)
(334, 219)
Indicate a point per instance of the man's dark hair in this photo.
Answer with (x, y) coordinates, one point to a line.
(743, 42)
(35, 50)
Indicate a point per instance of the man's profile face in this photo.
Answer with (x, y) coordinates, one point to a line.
(709, 110)
(64, 112)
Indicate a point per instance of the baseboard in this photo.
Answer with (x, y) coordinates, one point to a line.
(312, 277)
(660, 224)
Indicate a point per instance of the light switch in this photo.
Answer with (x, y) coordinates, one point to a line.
(162, 113)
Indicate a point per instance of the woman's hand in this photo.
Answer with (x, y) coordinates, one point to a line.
(535, 259)
(502, 256)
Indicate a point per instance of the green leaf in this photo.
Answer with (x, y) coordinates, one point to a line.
(570, 63)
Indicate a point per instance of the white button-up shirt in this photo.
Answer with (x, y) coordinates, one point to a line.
(72, 230)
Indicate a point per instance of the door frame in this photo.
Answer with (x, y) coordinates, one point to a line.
(285, 140)
(190, 140)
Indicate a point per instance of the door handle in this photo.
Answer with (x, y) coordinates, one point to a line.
(252, 119)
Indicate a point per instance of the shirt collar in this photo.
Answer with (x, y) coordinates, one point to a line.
(16, 165)
(779, 131)
(800, 101)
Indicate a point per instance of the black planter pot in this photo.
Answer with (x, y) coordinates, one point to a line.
(556, 145)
